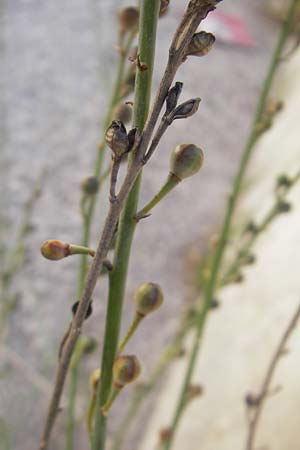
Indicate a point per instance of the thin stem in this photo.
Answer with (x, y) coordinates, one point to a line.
(147, 36)
(70, 425)
(169, 185)
(142, 391)
(265, 388)
(131, 330)
(224, 235)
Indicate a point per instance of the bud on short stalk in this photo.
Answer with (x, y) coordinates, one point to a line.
(126, 369)
(116, 138)
(89, 185)
(128, 18)
(123, 113)
(55, 250)
(186, 160)
(201, 44)
(148, 298)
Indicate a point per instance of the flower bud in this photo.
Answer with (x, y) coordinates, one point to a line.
(186, 160)
(128, 18)
(284, 207)
(125, 370)
(55, 250)
(148, 298)
(164, 6)
(89, 185)
(123, 113)
(172, 97)
(201, 44)
(116, 138)
(94, 379)
(87, 344)
(187, 109)
(89, 310)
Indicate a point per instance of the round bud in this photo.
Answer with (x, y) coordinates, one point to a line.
(284, 207)
(123, 112)
(94, 379)
(201, 44)
(186, 160)
(55, 250)
(89, 310)
(128, 18)
(125, 370)
(148, 298)
(89, 185)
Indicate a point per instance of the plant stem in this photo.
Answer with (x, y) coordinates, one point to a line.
(134, 325)
(147, 36)
(268, 379)
(170, 184)
(70, 425)
(225, 231)
(87, 217)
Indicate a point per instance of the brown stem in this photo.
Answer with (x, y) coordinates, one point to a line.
(265, 388)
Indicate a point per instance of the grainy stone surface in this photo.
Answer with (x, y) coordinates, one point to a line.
(58, 67)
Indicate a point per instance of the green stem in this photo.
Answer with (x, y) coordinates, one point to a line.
(87, 217)
(170, 184)
(70, 425)
(224, 235)
(131, 330)
(147, 36)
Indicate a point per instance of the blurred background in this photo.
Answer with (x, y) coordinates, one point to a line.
(58, 63)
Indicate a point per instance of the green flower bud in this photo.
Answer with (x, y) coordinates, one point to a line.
(123, 113)
(128, 18)
(116, 138)
(55, 250)
(201, 44)
(186, 160)
(87, 344)
(126, 369)
(89, 185)
(148, 298)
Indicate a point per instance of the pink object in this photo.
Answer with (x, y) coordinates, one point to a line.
(229, 29)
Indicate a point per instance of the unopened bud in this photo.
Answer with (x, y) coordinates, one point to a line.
(89, 310)
(88, 344)
(165, 435)
(195, 390)
(214, 304)
(148, 298)
(172, 97)
(128, 18)
(94, 379)
(201, 44)
(186, 160)
(283, 181)
(126, 369)
(187, 109)
(284, 207)
(122, 112)
(55, 250)
(252, 400)
(116, 138)
(89, 185)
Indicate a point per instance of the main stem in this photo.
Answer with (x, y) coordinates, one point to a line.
(87, 217)
(224, 235)
(147, 36)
